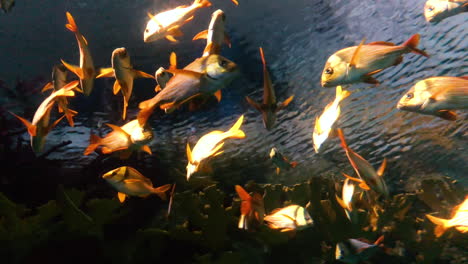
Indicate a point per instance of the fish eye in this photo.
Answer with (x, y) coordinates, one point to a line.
(409, 95)
(146, 30)
(223, 63)
(430, 8)
(329, 70)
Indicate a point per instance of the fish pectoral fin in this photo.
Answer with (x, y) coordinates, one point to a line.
(340, 202)
(447, 115)
(371, 80)
(31, 128)
(217, 94)
(116, 88)
(141, 74)
(117, 129)
(105, 72)
(201, 35)
(167, 105)
(235, 2)
(364, 186)
(354, 58)
(254, 104)
(173, 61)
(51, 126)
(75, 69)
(121, 196)
(285, 103)
(146, 149)
(171, 38)
(382, 167)
(157, 88)
(216, 149)
(189, 19)
(48, 86)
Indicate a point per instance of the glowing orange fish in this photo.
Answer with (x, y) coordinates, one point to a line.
(459, 219)
(347, 195)
(289, 218)
(215, 34)
(252, 209)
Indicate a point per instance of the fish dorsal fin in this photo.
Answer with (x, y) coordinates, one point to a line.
(121, 196)
(201, 35)
(75, 69)
(243, 195)
(382, 167)
(285, 103)
(381, 43)
(146, 149)
(354, 58)
(105, 73)
(117, 129)
(189, 153)
(141, 74)
(173, 61)
(31, 128)
(447, 115)
(116, 88)
(71, 23)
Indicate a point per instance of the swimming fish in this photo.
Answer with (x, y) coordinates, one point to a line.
(269, 107)
(369, 178)
(86, 71)
(59, 80)
(124, 74)
(354, 251)
(358, 63)
(167, 24)
(130, 182)
(289, 218)
(40, 126)
(347, 201)
(205, 76)
(437, 10)
(252, 209)
(162, 77)
(459, 219)
(280, 161)
(324, 123)
(7, 5)
(126, 139)
(215, 35)
(210, 145)
(437, 96)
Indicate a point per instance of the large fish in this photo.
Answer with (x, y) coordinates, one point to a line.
(59, 80)
(437, 96)
(167, 24)
(126, 139)
(205, 76)
(252, 209)
(289, 218)
(215, 35)
(124, 74)
(269, 106)
(347, 199)
(437, 10)
(40, 126)
(358, 63)
(86, 70)
(459, 220)
(324, 123)
(130, 182)
(210, 145)
(369, 177)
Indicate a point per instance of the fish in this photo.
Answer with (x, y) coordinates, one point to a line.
(7, 5)
(347, 201)
(358, 63)
(459, 220)
(324, 123)
(356, 251)
(209, 145)
(252, 209)
(215, 35)
(162, 77)
(280, 161)
(125, 139)
(436, 96)
(167, 24)
(369, 178)
(289, 218)
(86, 71)
(124, 74)
(59, 80)
(130, 182)
(40, 126)
(438, 10)
(269, 107)
(204, 76)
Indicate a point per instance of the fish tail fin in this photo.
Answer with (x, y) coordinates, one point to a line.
(412, 44)
(31, 128)
(341, 94)
(441, 224)
(71, 23)
(94, 142)
(161, 191)
(235, 131)
(202, 3)
(144, 114)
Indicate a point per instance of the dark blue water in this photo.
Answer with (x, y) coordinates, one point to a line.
(297, 38)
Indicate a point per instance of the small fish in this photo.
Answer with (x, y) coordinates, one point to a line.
(369, 178)
(252, 209)
(167, 24)
(324, 123)
(86, 71)
(215, 35)
(124, 74)
(7, 5)
(59, 79)
(459, 220)
(162, 77)
(347, 201)
(437, 96)
(437, 10)
(125, 139)
(269, 107)
(354, 251)
(210, 145)
(289, 218)
(281, 161)
(358, 63)
(130, 182)
(205, 76)
(40, 126)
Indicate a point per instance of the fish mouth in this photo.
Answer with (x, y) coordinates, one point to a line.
(325, 84)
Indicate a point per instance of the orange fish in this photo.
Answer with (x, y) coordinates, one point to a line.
(215, 35)
(252, 209)
(459, 219)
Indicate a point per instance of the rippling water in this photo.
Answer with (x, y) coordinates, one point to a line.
(297, 38)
